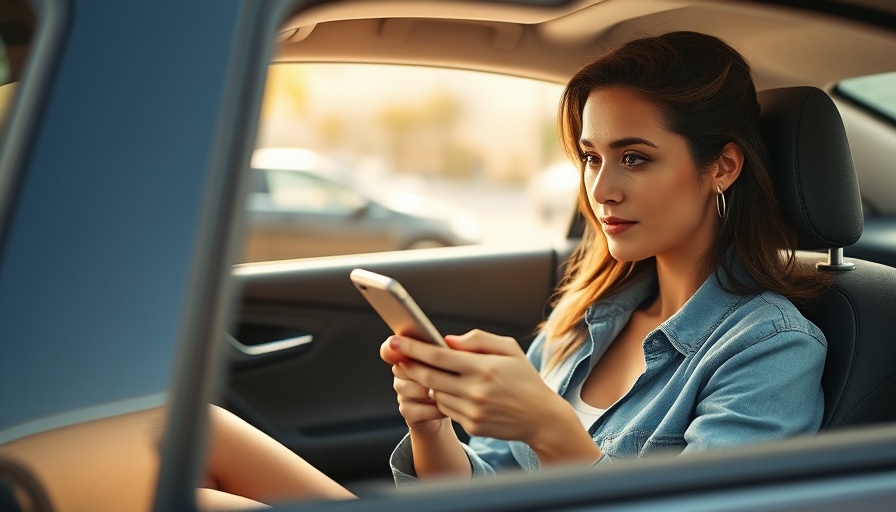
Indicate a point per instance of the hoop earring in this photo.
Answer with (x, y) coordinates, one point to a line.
(721, 206)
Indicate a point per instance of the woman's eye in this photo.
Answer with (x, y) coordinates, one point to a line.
(591, 160)
(632, 160)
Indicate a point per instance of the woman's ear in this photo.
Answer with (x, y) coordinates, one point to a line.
(728, 166)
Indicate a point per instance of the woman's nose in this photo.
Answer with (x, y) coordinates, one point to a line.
(605, 188)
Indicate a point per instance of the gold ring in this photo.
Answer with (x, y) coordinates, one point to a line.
(431, 393)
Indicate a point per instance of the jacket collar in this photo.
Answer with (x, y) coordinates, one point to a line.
(688, 328)
(701, 315)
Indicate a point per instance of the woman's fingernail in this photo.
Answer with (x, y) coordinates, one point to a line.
(395, 343)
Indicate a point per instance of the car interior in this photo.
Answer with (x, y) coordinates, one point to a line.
(300, 356)
(786, 48)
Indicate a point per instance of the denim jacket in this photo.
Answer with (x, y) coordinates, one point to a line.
(725, 370)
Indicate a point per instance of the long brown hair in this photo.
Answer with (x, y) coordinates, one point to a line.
(704, 92)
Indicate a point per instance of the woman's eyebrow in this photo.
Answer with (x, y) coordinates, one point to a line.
(630, 141)
(620, 143)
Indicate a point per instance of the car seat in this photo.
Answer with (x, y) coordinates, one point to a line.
(816, 181)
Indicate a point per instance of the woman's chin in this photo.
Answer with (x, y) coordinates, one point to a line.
(625, 254)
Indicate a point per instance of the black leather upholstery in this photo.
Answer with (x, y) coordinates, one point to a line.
(816, 179)
(858, 318)
(814, 171)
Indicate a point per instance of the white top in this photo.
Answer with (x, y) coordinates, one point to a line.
(587, 414)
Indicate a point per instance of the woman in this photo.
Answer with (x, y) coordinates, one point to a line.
(675, 328)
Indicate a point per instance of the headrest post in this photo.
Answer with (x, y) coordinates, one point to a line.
(835, 262)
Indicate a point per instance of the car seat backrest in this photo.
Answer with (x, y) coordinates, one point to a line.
(817, 184)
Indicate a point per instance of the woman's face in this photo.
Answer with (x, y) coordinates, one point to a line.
(641, 182)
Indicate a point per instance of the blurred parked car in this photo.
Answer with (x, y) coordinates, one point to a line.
(303, 204)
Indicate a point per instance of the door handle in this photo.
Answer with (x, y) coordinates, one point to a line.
(271, 347)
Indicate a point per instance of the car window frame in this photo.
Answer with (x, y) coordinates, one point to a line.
(51, 20)
(203, 303)
(202, 353)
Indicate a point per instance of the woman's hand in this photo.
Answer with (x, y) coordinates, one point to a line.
(436, 449)
(485, 383)
(414, 403)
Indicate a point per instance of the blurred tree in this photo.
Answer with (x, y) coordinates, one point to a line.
(422, 138)
(332, 129)
(285, 93)
(463, 163)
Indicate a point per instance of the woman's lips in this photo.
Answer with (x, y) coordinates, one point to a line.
(616, 226)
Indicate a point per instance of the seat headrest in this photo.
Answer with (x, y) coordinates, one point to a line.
(812, 166)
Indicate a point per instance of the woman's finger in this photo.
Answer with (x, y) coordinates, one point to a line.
(431, 378)
(450, 406)
(437, 357)
(484, 343)
(408, 384)
(398, 372)
(390, 355)
(415, 413)
(409, 390)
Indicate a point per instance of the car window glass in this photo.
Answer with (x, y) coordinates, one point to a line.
(876, 92)
(411, 156)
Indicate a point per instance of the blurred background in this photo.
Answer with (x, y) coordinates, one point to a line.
(363, 158)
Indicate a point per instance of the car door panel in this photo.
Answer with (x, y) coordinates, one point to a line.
(331, 399)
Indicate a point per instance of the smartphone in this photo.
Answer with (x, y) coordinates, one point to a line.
(395, 306)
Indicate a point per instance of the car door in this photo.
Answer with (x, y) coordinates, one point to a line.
(330, 397)
(304, 360)
(304, 353)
